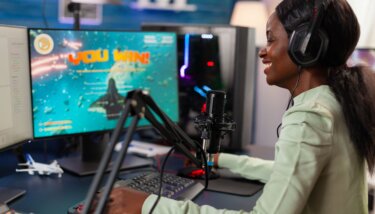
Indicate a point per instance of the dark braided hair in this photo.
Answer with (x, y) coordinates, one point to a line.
(354, 86)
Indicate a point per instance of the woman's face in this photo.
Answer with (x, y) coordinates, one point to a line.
(280, 70)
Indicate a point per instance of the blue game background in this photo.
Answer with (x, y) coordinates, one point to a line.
(65, 94)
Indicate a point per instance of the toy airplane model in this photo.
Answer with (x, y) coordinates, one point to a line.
(40, 168)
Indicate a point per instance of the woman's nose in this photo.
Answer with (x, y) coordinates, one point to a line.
(262, 52)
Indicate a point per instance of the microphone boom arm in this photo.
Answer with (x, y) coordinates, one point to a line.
(139, 104)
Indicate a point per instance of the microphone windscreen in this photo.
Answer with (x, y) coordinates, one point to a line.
(215, 105)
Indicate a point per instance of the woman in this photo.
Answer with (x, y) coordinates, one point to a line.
(326, 137)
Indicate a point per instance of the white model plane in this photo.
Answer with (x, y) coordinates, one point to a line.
(40, 168)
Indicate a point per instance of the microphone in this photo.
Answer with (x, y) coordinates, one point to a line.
(215, 111)
(213, 124)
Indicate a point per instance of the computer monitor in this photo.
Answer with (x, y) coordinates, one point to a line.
(80, 79)
(15, 106)
(363, 56)
(216, 57)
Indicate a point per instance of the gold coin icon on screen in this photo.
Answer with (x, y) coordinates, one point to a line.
(43, 44)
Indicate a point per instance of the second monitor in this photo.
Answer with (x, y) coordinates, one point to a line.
(80, 78)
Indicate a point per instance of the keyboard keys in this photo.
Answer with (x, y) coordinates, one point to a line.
(173, 185)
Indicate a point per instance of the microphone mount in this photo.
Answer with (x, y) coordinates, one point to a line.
(213, 125)
(205, 124)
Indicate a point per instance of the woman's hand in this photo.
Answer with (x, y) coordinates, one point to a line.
(216, 160)
(125, 200)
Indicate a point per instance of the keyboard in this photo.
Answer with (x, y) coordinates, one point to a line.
(174, 187)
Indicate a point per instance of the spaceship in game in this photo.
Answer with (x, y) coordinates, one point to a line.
(110, 103)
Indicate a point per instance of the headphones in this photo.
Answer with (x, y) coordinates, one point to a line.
(308, 43)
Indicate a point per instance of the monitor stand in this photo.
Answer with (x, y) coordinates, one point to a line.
(9, 194)
(92, 149)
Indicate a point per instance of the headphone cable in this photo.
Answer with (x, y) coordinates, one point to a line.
(290, 102)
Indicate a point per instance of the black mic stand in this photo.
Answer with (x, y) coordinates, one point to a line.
(139, 104)
(213, 125)
(75, 8)
(206, 124)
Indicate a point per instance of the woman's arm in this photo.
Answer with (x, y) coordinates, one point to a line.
(248, 167)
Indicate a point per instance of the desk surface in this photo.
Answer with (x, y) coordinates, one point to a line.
(50, 194)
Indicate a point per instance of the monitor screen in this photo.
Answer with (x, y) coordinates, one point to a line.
(80, 78)
(363, 56)
(15, 104)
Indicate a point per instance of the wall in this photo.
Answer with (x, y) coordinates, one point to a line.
(270, 104)
(366, 17)
(270, 101)
(115, 16)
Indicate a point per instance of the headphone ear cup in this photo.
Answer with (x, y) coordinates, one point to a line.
(316, 46)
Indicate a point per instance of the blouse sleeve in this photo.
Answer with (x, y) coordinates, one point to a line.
(248, 167)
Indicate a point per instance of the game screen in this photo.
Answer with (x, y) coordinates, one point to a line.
(79, 79)
(363, 57)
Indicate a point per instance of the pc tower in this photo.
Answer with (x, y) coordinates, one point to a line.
(215, 57)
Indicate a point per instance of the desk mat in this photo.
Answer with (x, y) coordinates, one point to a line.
(233, 184)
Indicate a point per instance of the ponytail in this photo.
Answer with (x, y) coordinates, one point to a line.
(354, 88)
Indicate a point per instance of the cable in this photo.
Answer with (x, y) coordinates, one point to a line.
(44, 13)
(169, 125)
(290, 102)
(161, 179)
(162, 172)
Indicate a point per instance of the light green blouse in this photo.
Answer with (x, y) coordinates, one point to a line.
(316, 168)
